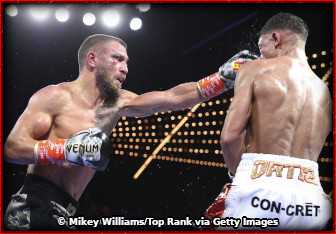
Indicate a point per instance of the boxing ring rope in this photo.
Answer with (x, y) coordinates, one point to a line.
(172, 133)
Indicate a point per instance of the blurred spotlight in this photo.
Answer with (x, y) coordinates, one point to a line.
(135, 24)
(89, 19)
(11, 10)
(143, 7)
(39, 12)
(62, 14)
(111, 18)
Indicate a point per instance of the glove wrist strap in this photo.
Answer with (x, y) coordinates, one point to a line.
(211, 86)
(48, 152)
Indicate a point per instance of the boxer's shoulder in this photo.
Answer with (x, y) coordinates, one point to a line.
(125, 97)
(51, 96)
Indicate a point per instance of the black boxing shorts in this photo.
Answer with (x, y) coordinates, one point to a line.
(38, 205)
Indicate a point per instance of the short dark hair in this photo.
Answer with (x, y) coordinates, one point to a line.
(91, 42)
(286, 21)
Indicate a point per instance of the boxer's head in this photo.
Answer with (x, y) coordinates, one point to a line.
(281, 28)
(107, 57)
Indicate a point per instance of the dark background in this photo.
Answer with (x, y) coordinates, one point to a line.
(177, 43)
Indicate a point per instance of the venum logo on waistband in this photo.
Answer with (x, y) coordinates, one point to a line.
(268, 168)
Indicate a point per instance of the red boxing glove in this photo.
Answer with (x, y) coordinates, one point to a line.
(211, 86)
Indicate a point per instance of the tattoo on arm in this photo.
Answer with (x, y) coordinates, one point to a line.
(106, 117)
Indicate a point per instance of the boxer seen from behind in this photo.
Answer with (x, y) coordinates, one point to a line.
(277, 123)
(63, 133)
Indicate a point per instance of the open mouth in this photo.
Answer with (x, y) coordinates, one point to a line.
(121, 79)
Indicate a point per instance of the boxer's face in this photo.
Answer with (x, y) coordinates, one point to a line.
(112, 68)
(266, 46)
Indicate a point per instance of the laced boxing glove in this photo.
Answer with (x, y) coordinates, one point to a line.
(223, 80)
(90, 148)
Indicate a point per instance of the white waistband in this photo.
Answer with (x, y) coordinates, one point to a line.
(276, 169)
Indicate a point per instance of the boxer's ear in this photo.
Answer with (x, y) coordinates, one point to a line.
(276, 39)
(91, 59)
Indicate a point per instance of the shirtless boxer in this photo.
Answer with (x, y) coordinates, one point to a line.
(277, 123)
(63, 133)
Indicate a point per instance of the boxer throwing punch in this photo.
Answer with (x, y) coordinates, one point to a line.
(63, 133)
(277, 123)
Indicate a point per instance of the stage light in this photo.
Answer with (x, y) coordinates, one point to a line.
(39, 12)
(89, 19)
(135, 24)
(143, 7)
(111, 18)
(62, 15)
(11, 10)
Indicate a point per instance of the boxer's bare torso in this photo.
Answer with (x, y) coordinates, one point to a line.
(69, 114)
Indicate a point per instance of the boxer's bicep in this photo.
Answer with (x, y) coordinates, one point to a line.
(178, 98)
(34, 123)
(232, 137)
(145, 104)
(241, 105)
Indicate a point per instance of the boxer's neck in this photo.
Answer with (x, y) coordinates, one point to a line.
(88, 89)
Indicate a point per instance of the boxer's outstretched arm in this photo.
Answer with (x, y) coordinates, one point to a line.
(233, 136)
(178, 98)
(33, 124)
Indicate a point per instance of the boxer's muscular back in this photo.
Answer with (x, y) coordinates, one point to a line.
(291, 110)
